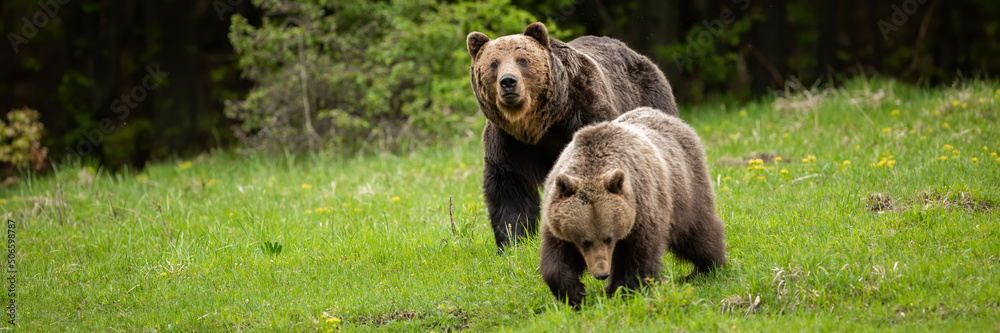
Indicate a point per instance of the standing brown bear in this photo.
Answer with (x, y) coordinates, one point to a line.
(621, 194)
(536, 92)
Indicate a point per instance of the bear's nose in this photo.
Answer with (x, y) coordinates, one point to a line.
(508, 82)
(601, 276)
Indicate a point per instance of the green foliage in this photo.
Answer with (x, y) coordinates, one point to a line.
(709, 57)
(16, 135)
(269, 248)
(390, 72)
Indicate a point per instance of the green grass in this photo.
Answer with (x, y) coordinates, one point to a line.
(911, 244)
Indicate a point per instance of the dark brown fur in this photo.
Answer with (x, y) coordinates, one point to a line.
(665, 201)
(561, 88)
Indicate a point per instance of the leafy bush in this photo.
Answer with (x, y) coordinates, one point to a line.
(17, 136)
(354, 73)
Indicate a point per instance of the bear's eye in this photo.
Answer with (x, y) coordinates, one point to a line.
(607, 241)
(494, 64)
(522, 61)
(587, 244)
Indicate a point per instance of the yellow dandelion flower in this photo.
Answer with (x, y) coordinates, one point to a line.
(945, 125)
(211, 182)
(184, 166)
(462, 166)
(309, 211)
(708, 128)
(856, 147)
(937, 112)
(993, 154)
(913, 131)
(395, 199)
(231, 214)
(777, 159)
(732, 136)
(785, 135)
(998, 159)
(163, 274)
(743, 113)
(942, 158)
(3, 201)
(948, 147)
(333, 320)
(784, 171)
(985, 148)
(923, 137)
(891, 163)
(882, 162)
(964, 105)
(724, 188)
(760, 177)
(847, 162)
(726, 178)
(805, 160)
(306, 186)
(982, 100)
(975, 160)
(954, 152)
(894, 112)
(954, 103)
(886, 130)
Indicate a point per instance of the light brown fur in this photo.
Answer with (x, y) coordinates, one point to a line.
(621, 194)
(528, 61)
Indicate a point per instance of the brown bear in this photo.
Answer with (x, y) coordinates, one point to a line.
(535, 92)
(622, 193)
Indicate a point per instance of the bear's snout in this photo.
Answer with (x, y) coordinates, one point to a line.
(508, 83)
(602, 275)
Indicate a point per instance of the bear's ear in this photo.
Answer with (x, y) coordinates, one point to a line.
(614, 181)
(475, 41)
(565, 186)
(538, 31)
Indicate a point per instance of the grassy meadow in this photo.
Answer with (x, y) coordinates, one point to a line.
(871, 207)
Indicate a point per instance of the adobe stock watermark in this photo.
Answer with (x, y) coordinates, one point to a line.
(38, 20)
(565, 11)
(899, 16)
(224, 7)
(11, 272)
(713, 30)
(121, 106)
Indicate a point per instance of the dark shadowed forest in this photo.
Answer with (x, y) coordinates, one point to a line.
(127, 82)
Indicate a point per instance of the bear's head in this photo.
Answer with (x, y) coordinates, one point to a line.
(593, 213)
(512, 79)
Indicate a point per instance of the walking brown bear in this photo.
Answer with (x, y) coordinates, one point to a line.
(537, 91)
(621, 194)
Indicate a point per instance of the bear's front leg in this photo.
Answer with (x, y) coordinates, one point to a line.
(510, 188)
(633, 267)
(561, 267)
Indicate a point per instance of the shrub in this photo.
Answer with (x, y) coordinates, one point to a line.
(354, 73)
(19, 145)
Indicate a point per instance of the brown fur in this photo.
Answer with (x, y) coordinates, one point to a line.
(621, 194)
(561, 87)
